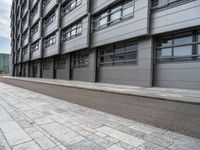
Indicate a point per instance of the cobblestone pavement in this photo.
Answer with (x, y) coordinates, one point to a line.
(32, 121)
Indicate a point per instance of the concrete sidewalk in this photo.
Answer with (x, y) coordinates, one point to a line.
(33, 121)
(172, 94)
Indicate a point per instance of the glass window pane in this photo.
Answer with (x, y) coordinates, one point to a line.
(103, 21)
(131, 55)
(199, 36)
(119, 48)
(119, 57)
(165, 42)
(199, 49)
(128, 10)
(165, 52)
(183, 51)
(115, 14)
(131, 46)
(183, 40)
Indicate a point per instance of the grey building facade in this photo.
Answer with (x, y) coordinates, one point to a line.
(132, 42)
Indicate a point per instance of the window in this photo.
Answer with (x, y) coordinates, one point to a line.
(72, 31)
(34, 11)
(61, 62)
(80, 59)
(35, 47)
(24, 21)
(69, 6)
(163, 3)
(118, 54)
(115, 14)
(45, 3)
(24, 36)
(178, 47)
(49, 41)
(49, 19)
(25, 51)
(34, 29)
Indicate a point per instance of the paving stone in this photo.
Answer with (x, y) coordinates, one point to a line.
(27, 146)
(115, 147)
(44, 142)
(33, 132)
(126, 138)
(100, 134)
(24, 124)
(145, 128)
(149, 146)
(62, 134)
(3, 143)
(42, 121)
(157, 140)
(124, 145)
(99, 140)
(85, 145)
(54, 148)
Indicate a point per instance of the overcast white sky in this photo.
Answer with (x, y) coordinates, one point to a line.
(5, 6)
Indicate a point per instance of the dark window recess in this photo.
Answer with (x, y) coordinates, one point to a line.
(118, 54)
(50, 19)
(72, 31)
(69, 6)
(156, 4)
(34, 29)
(35, 47)
(25, 51)
(178, 47)
(118, 13)
(80, 59)
(61, 62)
(45, 3)
(49, 41)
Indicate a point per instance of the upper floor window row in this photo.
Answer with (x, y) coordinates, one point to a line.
(118, 13)
(25, 51)
(35, 28)
(72, 31)
(69, 6)
(35, 47)
(25, 35)
(179, 47)
(45, 3)
(49, 19)
(34, 11)
(49, 41)
(24, 6)
(163, 3)
(24, 21)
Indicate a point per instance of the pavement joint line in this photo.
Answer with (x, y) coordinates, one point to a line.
(114, 92)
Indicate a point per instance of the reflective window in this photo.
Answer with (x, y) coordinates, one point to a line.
(115, 14)
(163, 3)
(69, 6)
(80, 59)
(178, 47)
(198, 49)
(72, 31)
(118, 54)
(34, 46)
(51, 18)
(49, 41)
(183, 40)
(183, 51)
(165, 52)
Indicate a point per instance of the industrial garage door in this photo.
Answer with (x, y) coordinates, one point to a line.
(177, 63)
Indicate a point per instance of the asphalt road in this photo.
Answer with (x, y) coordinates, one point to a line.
(178, 117)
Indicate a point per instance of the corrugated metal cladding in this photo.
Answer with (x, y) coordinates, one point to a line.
(132, 42)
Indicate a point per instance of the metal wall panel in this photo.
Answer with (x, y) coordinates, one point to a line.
(178, 75)
(64, 72)
(75, 14)
(139, 74)
(52, 50)
(79, 42)
(175, 18)
(86, 73)
(50, 72)
(134, 27)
